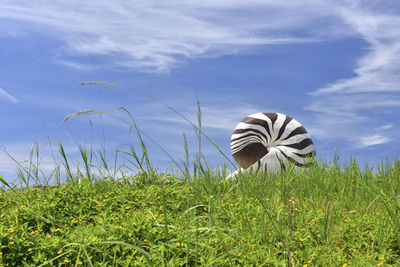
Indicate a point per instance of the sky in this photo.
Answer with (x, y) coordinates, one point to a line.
(331, 65)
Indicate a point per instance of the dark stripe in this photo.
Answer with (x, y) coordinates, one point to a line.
(250, 154)
(283, 127)
(308, 155)
(258, 165)
(298, 130)
(238, 131)
(298, 164)
(272, 117)
(303, 144)
(265, 166)
(258, 122)
(283, 166)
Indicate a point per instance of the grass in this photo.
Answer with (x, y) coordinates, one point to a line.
(324, 217)
(96, 214)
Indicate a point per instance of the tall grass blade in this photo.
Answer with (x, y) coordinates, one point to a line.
(65, 163)
(21, 170)
(198, 132)
(84, 155)
(186, 163)
(132, 125)
(165, 105)
(3, 181)
(83, 112)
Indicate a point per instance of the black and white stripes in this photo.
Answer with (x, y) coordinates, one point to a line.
(269, 141)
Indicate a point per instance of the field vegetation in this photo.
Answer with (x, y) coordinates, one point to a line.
(85, 215)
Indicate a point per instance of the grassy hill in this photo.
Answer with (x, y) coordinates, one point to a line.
(329, 215)
(326, 216)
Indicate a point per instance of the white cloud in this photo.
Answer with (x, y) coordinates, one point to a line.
(378, 69)
(75, 65)
(350, 109)
(7, 96)
(372, 140)
(154, 35)
(384, 127)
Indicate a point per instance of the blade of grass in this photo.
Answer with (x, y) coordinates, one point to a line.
(133, 126)
(165, 105)
(65, 163)
(4, 181)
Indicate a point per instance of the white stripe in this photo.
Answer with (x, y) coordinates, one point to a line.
(291, 150)
(294, 139)
(244, 141)
(290, 127)
(245, 126)
(241, 136)
(277, 126)
(263, 117)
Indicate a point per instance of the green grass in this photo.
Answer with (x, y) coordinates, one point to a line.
(97, 213)
(326, 216)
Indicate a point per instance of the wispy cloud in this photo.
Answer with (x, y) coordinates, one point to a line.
(350, 109)
(372, 140)
(75, 65)
(384, 127)
(7, 96)
(154, 35)
(378, 69)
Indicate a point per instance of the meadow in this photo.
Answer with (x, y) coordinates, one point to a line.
(329, 215)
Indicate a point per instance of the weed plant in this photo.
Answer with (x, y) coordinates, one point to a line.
(328, 215)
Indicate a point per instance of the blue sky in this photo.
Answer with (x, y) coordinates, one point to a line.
(332, 65)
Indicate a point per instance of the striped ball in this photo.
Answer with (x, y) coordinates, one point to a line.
(270, 141)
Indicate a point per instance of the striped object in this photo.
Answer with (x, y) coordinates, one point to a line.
(270, 141)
